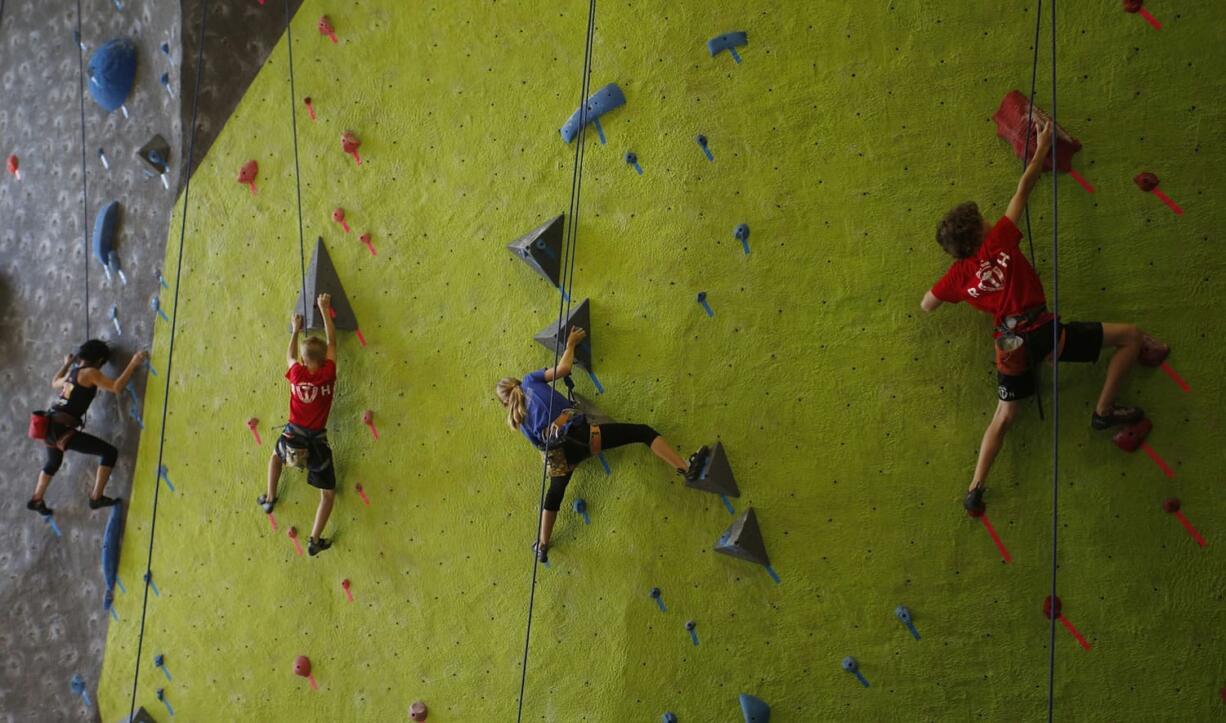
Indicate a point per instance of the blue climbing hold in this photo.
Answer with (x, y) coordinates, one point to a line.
(601, 102)
(104, 231)
(110, 553)
(754, 709)
(670, 717)
(728, 41)
(112, 73)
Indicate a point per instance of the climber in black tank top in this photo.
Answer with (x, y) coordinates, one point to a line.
(78, 382)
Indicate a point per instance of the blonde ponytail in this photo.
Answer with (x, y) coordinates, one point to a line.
(511, 394)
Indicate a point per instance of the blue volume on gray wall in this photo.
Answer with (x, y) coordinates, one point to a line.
(112, 73)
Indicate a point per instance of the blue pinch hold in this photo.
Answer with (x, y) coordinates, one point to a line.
(741, 233)
(728, 41)
(851, 666)
(659, 598)
(632, 160)
(602, 101)
(104, 232)
(702, 300)
(77, 685)
(669, 717)
(754, 709)
(903, 613)
(112, 73)
(580, 506)
(690, 626)
(702, 142)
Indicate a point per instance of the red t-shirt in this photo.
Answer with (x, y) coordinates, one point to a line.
(997, 279)
(310, 395)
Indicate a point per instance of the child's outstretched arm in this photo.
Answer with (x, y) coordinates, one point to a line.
(930, 301)
(325, 308)
(1031, 175)
(291, 354)
(563, 368)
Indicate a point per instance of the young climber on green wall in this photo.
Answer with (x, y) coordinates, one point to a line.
(304, 444)
(562, 433)
(991, 274)
(78, 382)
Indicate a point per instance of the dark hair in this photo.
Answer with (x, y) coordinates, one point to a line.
(94, 353)
(961, 231)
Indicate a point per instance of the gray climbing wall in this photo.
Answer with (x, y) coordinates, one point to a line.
(52, 624)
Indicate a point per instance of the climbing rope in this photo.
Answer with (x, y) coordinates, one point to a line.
(84, 180)
(174, 317)
(293, 114)
(1055, 383)
(570, 236)
(1034, 75)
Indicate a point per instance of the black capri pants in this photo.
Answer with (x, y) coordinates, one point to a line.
(80, 442)
(577, 449)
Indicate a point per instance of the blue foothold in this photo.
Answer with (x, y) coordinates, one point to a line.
(159, 660)
(850, 664)
(903, 614)
(655, 593)
(670, 717)
(631, 158)
(165, 48)
(754, 709)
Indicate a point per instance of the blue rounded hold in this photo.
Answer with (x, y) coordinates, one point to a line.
(112, 73)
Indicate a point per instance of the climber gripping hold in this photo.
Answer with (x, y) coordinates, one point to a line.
(991, 274)
(554, 425)
(59, 428)
(304, 444)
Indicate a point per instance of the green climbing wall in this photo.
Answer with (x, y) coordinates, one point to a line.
(851, 419)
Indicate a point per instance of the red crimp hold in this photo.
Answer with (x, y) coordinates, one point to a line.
(14, 166)
(325, 27)
(247, 174)
(293, 535)
(310, 106)
(254, 425)
(1012, 118)
(1172, 506)
(350, 144)
(1049, 609)
(1148, 182)
(368, 418)
(1131, 437)
(362, 493)
(418, 711)
(365, 238)
(338, 216)
(302, 668)
(1138, 6)
(345, 587)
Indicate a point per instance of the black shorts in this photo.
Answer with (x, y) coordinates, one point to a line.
(321, 473)
(1083, 342)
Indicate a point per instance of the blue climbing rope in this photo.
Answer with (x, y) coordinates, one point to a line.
(174, 318)
(1055, 383)
(293, 114)
(84, 179)
(570, 237)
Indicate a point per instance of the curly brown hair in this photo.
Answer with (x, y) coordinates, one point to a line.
(961, 231)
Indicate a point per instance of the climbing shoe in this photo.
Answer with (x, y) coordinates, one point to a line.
(103, 501)
(266, 503)
(40, 507)
(698, 461)
(542, 552)
(1116, 417)
(974, 502)
(314, 546)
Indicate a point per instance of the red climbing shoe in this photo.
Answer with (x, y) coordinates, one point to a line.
(1154, 352)
(1129, 438)
(1117, 416)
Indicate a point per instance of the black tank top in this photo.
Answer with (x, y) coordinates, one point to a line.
(75, 399)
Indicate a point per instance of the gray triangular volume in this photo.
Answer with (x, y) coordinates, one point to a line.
(553, 337)
(321, 278)
(717, 477)
(541, 248)
(591, 411)
(744, 540)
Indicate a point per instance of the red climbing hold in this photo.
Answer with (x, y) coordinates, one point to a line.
(1171, 505)
(247, 174)
(1131, 437)
(310, 106)
(350, 144)
(14, 166)
(418, 711)
(338, 215)
(302, 668)
(325, 27)
(368, 418)
(345, 586)
(1146, 181)
(365, 238)
(254, 425)
(293, 535)
(1138, 6)
(1051, 606)
(1012, 118)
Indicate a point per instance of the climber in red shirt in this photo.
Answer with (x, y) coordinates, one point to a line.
(991, 274)
(304, 444)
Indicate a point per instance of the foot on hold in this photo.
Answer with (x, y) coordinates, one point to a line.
(974, 502)
(698, 460)
(542, 552)
(316, 546)
(266, 503)
(102, 501)
(1153, 352)
(1117, 416)
(40, 507)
